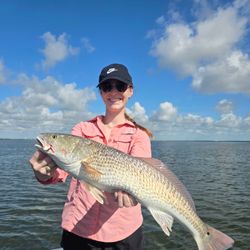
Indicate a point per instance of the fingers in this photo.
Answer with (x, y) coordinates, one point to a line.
(39, 155)
(124, 199)
(42, 165)
(40, 160)
(47, 170)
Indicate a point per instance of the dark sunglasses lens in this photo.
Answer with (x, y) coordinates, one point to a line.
(121, 86)
(106, 87)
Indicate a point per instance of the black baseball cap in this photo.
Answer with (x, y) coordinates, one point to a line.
(115, 71)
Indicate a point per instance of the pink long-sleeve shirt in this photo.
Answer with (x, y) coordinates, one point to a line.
(82, 214)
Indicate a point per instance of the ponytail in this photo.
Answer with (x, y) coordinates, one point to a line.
(149, 133)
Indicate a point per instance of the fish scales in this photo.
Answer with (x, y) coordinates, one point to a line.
(148, 180)
(150, 183)
(129, 170)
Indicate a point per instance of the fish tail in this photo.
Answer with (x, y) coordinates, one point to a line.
(215, 240)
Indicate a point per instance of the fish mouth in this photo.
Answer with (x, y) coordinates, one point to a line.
(42, 145)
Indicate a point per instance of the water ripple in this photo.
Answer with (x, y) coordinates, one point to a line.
(216, 174)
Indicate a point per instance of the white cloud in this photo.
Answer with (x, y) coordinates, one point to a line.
(230, 75)
(2, 72)
(208, 50)
(202, 9)
(229, 120)
(160, 20)
(49, 105)
(138, 113)
(87, 45)
(246, 122)
(166, 112)
(56, 49)
(168, 124)
(44, 105)
(225, 106)
(195, 120)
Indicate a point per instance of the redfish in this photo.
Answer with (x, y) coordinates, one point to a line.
(153, 184)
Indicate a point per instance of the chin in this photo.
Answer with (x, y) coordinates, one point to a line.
(114, 108)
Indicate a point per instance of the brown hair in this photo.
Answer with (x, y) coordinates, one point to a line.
(149, 133)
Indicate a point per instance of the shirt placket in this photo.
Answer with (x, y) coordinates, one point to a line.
(111, 140)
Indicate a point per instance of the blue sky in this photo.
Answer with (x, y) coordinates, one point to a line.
(189, 61)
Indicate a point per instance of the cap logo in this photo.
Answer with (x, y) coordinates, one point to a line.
(111, 70)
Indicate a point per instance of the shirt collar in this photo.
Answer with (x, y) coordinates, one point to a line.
(98, 119)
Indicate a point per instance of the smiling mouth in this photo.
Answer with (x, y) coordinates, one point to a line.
(115, 99)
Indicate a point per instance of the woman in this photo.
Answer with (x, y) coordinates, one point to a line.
(86, 223)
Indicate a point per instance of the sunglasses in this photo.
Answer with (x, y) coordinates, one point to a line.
(108, 86)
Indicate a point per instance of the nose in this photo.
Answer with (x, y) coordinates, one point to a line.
(114, 89)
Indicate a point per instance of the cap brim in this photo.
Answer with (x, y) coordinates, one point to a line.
(114, 77)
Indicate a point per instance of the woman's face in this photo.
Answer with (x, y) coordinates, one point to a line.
(114, 99)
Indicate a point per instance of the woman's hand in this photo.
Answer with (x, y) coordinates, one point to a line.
(42, 165)
(125, 200)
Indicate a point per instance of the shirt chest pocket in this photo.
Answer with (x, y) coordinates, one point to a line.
(123, 142)
(94, 135)
(97, 138)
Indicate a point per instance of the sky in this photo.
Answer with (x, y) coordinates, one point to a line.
(189, 60)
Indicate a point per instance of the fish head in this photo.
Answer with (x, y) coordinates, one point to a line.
(60, 147)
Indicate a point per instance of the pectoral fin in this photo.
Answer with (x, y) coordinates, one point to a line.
(97, 193)
(163, 219)
(90, 170)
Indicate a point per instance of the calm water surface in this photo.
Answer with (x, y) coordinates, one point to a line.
(217, 174)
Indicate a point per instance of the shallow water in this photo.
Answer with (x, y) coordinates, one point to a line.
(217, 174)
